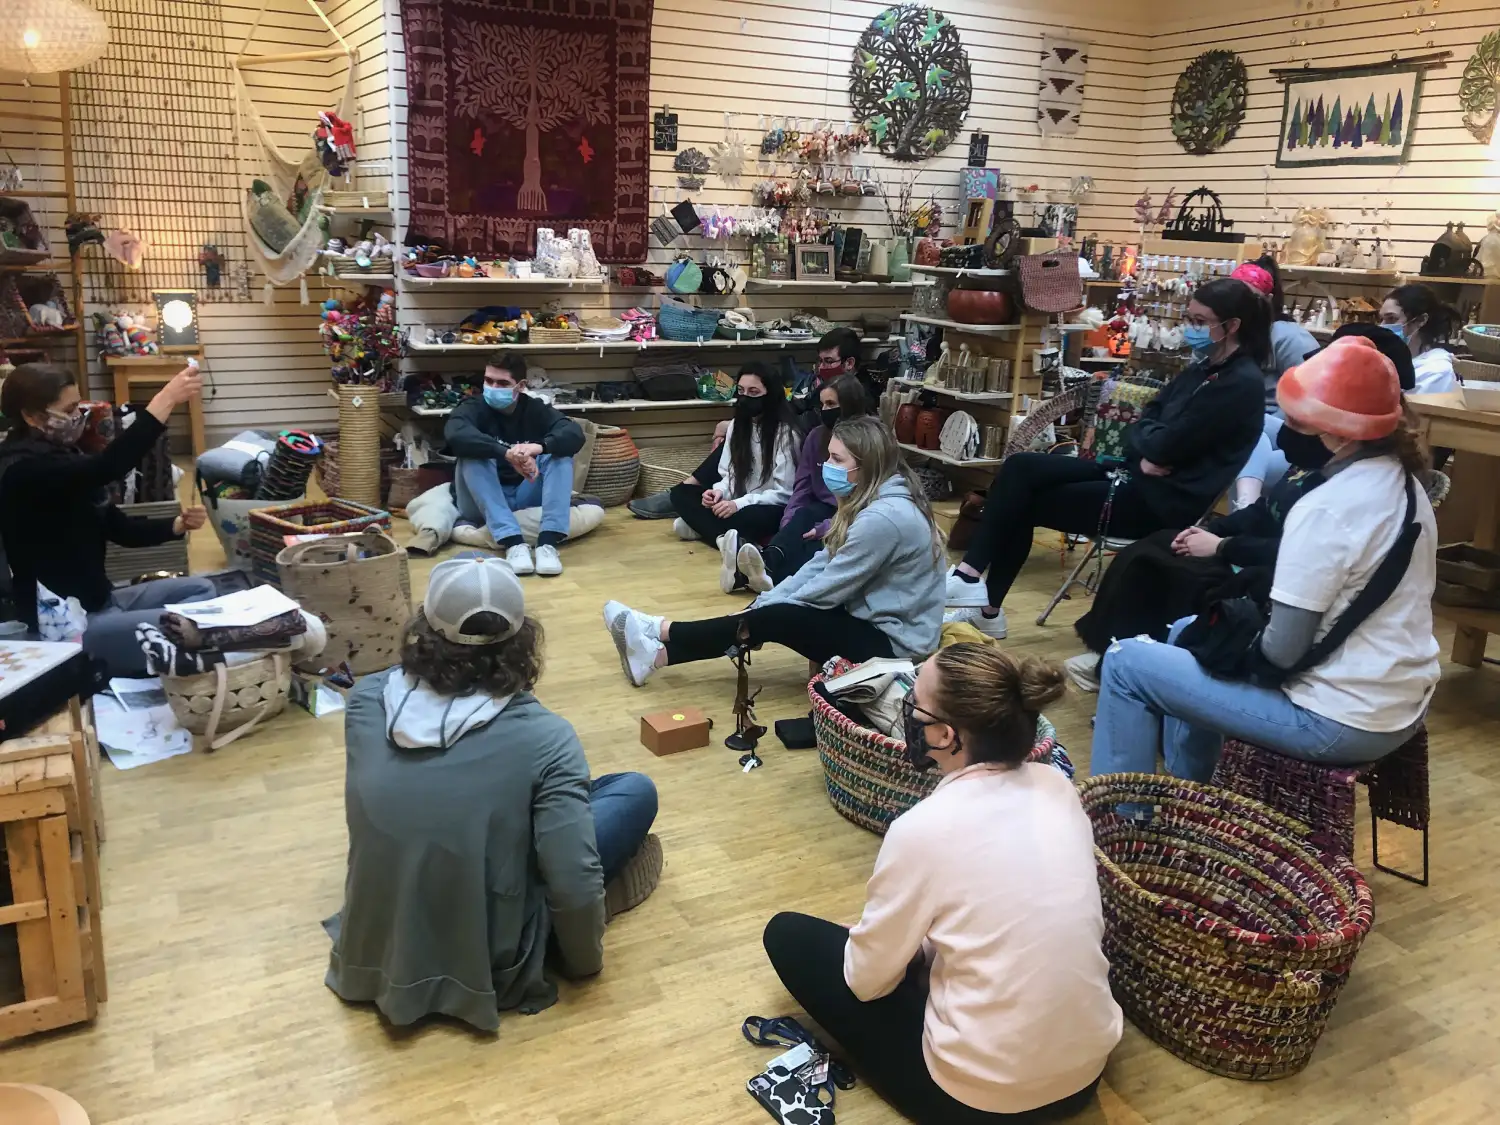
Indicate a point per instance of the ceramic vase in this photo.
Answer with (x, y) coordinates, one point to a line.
(899, 257)
(906, 423)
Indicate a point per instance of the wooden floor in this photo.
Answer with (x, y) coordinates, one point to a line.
(218, 869)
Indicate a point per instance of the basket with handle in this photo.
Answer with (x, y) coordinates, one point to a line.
(679, 321)
(224, 703)
(1050, 283)
(269, 527)
(663, 466)
(360, 586)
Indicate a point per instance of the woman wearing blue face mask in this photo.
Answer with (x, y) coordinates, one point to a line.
(1179, 456)
(1418, 316)
(875, 589)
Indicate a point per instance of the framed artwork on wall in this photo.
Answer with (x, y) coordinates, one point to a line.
(1361, 115)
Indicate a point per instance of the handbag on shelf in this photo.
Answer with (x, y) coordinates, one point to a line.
(1050, 283)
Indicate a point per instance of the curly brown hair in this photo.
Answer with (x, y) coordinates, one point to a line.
(503, 668)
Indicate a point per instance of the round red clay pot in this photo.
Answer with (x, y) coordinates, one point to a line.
(906, 423)
(930, 427)
(979, 306)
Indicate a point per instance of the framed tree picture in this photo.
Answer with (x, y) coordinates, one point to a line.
(1362, 115)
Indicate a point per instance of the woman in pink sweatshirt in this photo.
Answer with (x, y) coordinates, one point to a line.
(973, 988)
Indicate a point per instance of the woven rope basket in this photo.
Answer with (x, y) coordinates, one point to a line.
(222, 704)
(270, 526)
(869, 779)
(663, 466)
(359, 443)
(360, 585)
(615, 468)
(1229, 935)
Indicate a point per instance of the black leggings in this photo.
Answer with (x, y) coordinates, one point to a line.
(755, 523)
(1067, 494)
(815, 633)
(788, 552)
(881, 1039)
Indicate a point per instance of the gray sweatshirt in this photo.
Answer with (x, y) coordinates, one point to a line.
(470, 842)
(889, 572)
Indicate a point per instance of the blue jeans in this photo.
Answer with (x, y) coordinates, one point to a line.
(624, 807)
(1266, 462)
(1156, 698)
(110, 633)
(483, 498)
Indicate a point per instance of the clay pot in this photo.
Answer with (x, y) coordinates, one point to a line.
(930, 427)
(980, 306)
(928, 252)
(906, 423)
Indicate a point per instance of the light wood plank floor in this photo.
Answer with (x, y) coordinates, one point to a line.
(219, 867)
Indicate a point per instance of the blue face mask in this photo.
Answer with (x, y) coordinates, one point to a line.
(1398, 330)
(1198, 337)
(836, 478)
(501, 398)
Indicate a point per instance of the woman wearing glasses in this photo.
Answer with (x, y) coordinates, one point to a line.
(1183, 452)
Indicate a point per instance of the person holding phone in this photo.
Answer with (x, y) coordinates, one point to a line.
(56, 517)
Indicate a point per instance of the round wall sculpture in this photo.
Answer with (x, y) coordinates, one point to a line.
(1208, 102)
(909, 83)
(1476, 90)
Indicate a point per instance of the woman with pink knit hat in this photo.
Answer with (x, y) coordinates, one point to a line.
(1354, 697)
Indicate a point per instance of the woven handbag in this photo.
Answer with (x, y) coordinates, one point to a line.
(221, 705)
(360, 586)
(615, 468)
(1050, 283)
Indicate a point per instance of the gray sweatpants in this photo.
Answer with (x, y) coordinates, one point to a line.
(110, 633)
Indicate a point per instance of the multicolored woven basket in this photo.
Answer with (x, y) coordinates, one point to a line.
(869, 780)
(615, 468)
(269, 528)
(1229, 936)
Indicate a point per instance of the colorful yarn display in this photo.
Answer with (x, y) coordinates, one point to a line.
(289, 466)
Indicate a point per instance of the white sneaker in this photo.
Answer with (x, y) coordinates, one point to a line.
(961, 593)
(993, 627)
(684, 532)
(729, 553)
(468, 535)
(548, 564)
(753, 567)
(1083, 670)
(519, 558)
(637, 638)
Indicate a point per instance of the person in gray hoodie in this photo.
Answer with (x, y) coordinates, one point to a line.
(475, 834)
(875, 589)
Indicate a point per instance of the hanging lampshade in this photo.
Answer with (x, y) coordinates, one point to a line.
(44, 36)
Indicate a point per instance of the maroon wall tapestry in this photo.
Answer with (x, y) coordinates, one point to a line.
(527, 113)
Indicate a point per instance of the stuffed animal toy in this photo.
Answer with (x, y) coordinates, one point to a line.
(46, 316)
(334, 141)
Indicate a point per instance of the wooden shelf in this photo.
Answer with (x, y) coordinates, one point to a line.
(959, 271)
(416, 282)
(1100, 283)
(939, 455)
(361, 278)
(34, 193)
(1110, 359)
(67, 334)
(978, 397)
(598, 407)
(1383, 276)
(767, 284)
(1473, 282)
(56, 266)
(1486, 619)
(977, 329)
(379, 214)
(417, 349)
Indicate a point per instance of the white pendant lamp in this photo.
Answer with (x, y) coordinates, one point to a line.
(44, 36)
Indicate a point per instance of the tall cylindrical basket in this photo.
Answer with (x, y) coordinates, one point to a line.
(359, 443)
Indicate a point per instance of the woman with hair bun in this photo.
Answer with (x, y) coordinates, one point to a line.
(1419, 316)
(973, 988)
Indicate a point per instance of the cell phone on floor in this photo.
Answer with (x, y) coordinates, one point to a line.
(793, 1089)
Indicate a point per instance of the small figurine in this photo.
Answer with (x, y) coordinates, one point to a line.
(747, 732)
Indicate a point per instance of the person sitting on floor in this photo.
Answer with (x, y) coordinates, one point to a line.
(973, 988)
(514, 451)
(1419, 316)
(839, 353)
(874, 589)
(742, 487)
(1181, 454)
(1368, 696)
(808, 512)
(56, 516)
(475, 835)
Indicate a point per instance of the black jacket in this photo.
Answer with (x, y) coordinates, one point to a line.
(477, 430)
(55, 517)
(1252, 535)
(1202, 426)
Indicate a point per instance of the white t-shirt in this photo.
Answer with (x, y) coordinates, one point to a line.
(1434, 372)
(1382, 677)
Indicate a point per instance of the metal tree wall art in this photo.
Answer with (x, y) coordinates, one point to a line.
(1476, 92)
(910, 83)
(1208, 102)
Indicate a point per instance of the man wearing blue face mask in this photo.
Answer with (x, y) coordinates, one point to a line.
(514, 452)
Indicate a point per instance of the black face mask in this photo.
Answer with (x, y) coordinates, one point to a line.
(747, 406)
(1305, 451)
(914, 730)
(830, 416)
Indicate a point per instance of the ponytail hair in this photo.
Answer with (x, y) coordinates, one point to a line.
(994, 699)
(1232, 299)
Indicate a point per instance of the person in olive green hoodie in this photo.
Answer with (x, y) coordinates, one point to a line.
(475, 833)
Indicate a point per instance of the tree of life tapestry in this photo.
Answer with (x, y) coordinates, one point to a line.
(528, 113)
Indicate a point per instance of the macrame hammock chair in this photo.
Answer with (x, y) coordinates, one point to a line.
(280, 171)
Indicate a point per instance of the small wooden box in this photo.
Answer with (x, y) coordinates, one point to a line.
(671, 732)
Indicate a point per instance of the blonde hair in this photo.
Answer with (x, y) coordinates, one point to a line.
(994, 698)
(875, 451)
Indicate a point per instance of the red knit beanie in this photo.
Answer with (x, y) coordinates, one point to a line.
(1257, 277)
(1348, 389)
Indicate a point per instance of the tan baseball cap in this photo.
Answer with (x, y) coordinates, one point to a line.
(460, 588)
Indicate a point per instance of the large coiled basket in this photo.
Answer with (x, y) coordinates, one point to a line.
(1229, 935)
(869, 780)
(615, 468)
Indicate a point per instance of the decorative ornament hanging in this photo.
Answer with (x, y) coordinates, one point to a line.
(44, 36)
(1201, 219)
(909, 83)
(1208, 103)
(728, 155)
(694, 166)
(1476, 90)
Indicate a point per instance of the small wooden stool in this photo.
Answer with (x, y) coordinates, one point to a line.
(130, 371)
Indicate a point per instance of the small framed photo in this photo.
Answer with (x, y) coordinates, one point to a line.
(814, 262)
(778, 264)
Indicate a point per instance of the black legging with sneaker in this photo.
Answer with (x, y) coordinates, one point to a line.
(1201, 428)
(788, 551)
(755, 522)
(881, 1039)
(817, 634)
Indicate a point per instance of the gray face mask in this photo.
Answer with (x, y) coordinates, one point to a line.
(65, 429)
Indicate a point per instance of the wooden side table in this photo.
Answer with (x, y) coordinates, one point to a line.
(131, 371)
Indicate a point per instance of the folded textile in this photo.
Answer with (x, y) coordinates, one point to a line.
(274, 632)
